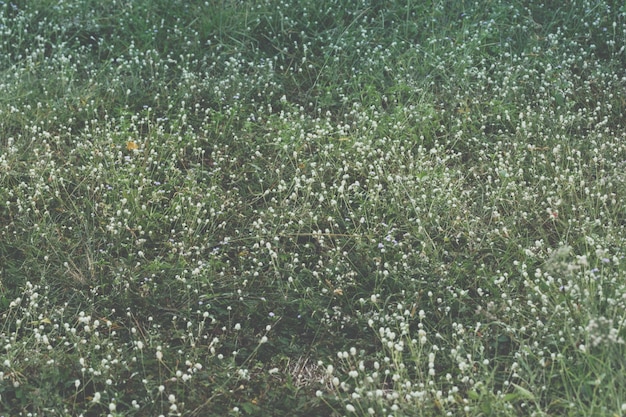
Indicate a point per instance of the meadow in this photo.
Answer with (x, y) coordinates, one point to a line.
(312, 208)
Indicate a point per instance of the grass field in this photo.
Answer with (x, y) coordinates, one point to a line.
(312, 208)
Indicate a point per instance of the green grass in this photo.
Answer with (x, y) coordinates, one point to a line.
(312, 208)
